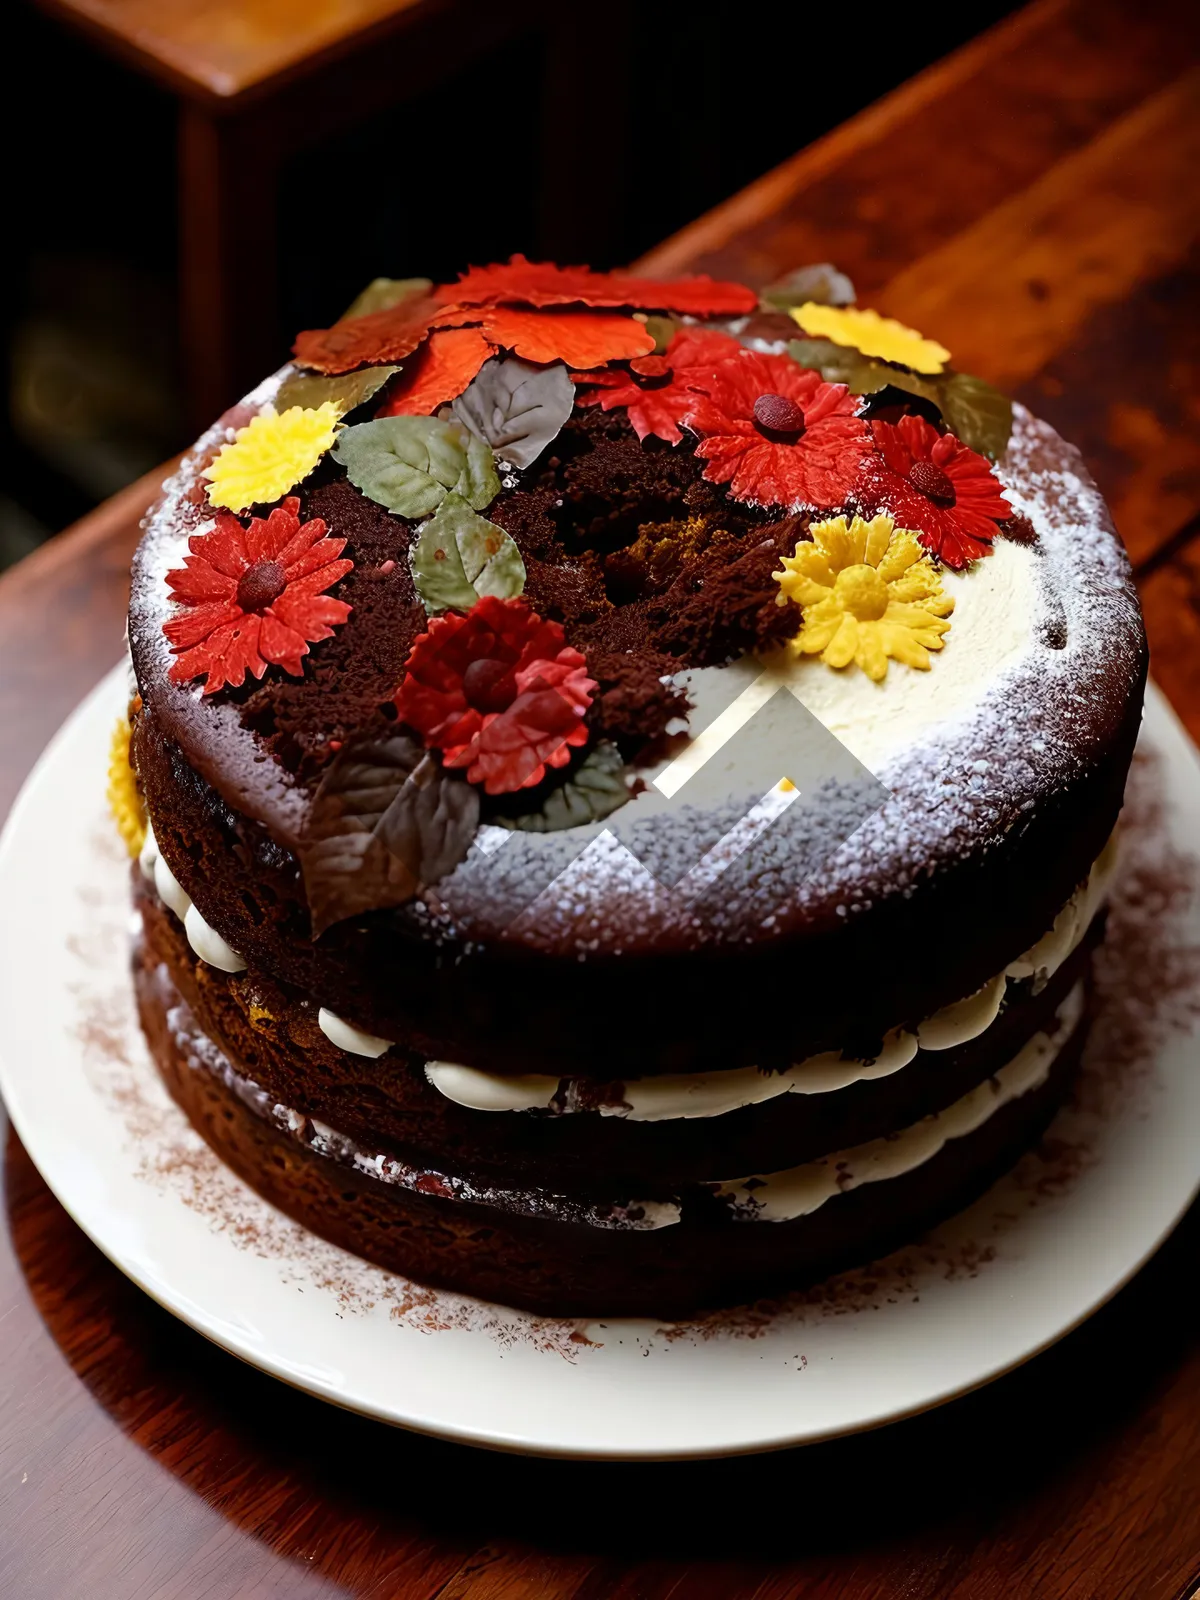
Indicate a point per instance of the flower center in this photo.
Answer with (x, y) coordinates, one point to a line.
(778, 418)
(260, 584)
(932, 482)
(489, 685)
(651, 372)
(862, 592)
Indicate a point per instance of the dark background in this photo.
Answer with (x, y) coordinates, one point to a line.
(92, 385)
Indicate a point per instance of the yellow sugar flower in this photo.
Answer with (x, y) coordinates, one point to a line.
(866, 591)
(270, 455)
(873, 335)
(124, 801)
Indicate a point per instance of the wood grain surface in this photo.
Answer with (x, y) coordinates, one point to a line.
(224, 48)
(1033, 201)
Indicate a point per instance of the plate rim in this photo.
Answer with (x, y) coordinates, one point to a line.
(1159, 713)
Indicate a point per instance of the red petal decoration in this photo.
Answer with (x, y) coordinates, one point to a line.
(541, 283)
(658, 407)
(818, 468)
(931, 483)
(580, 338)
(216, 635)
(499, 692)
(381, 339)
(439, 371)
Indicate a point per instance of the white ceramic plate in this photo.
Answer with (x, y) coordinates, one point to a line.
(1042, 1251)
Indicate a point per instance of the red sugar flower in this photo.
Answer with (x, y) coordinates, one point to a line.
(541, 283)
(932, 484)
(254, 597)
(778, 435)
(498, 691)
(657, 390)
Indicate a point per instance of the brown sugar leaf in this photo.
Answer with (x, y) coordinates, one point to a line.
(386, 821)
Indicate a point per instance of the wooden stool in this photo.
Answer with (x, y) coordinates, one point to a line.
(259, 80)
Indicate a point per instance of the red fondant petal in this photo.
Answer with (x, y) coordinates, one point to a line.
(440, 370)
(380, 339)
(580, 338)
(537, 283)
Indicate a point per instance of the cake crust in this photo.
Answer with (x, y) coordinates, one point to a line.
(1056, 734)
(631, 792)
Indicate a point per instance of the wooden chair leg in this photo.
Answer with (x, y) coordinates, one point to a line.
(228, 259)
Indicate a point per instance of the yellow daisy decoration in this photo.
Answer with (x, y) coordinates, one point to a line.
(270, 455)
(873, 335)
(866, 591)
(124, 801)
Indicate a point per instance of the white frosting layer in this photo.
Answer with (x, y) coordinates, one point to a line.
(347, 1037)
(994, 625)
(201, 935)
(201, 1054)
(783, 1196)
(1072, 922)
(964, 1019)
(148, 855)
(209, 945)
(488, 1091)
(673, 1096)
(170, 891)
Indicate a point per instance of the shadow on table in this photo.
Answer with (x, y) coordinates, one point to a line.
(317, 1484)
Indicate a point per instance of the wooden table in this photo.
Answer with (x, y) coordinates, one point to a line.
(258, 81)
(1033, 202)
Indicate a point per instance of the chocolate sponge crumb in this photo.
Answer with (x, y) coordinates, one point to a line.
(348, 678)
(723, 602)
(648, 567)
(633, 705)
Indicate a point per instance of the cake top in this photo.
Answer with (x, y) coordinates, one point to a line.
(550, 569)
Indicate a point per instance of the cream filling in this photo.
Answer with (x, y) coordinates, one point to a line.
(347, 1037)
(783, 1196)
(682, 1096)
(201, 1054)
(212, 948)
(778, 1197)
(203, 938)
(679, 1096)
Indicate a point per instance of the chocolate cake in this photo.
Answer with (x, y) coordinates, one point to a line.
(624, 777)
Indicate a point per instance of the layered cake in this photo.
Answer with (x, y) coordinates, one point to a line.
(623, 778)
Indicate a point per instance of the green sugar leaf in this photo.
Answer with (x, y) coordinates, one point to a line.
(386, 821)
(594, 790)
(838, 364)
(381, 294)
(409, 464)
(975, 412)
(662, 330)
(458, 557)
(980, 415)
(346, 391)
(820, 284)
